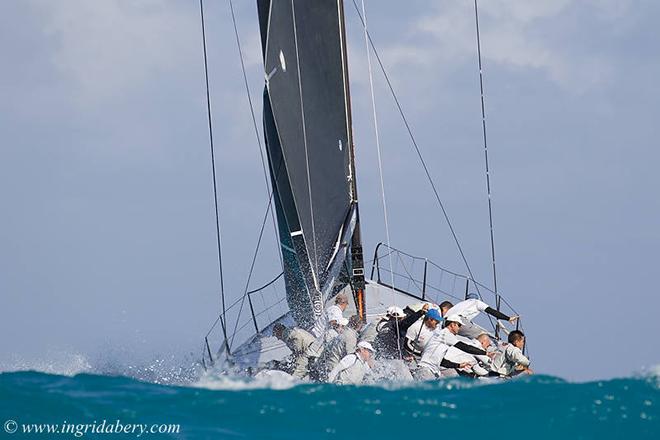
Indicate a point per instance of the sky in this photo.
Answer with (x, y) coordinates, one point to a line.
(107, 227)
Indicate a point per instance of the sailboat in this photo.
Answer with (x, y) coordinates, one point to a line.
(310, 148)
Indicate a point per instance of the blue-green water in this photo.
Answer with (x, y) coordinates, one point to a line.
(534, 407)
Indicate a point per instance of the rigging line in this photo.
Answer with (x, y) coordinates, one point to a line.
(375, 116)
(483, 125)
(416, 147)
(267, 284)
(220, 316)
(218, 319)
(315, 273)
(276, 173)
(254, 122)
(215, 184)
(254, 259)
(231, 306)
(411, 278)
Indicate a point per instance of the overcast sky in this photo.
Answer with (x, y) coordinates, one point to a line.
(107, 244)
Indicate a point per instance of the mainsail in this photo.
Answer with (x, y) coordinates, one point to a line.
(308, 138)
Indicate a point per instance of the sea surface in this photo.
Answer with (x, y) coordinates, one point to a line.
(96, 406)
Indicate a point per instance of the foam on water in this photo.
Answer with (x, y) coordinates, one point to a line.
(274, 380)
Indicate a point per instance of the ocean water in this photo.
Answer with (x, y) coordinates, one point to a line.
(272, 408)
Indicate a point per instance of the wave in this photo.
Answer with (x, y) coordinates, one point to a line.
(58, 363)
(273, 406)
(187, 372)
(160, 370)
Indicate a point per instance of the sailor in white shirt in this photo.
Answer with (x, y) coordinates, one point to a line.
(340, 346)
(332, 313)
(480, 365)
(470, 309)
(353, 367)
(433, 358)
(419, 334)
(510, 360)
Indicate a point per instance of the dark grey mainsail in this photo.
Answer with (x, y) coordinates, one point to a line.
(308, 138)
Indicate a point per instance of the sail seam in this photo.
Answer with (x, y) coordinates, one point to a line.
(349, 139)
(270, 12)
(309, 182)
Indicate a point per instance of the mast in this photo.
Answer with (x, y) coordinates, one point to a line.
(357, 260)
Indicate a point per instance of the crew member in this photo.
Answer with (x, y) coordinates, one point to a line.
(334, 312)
(418, 334)
(433, 359)
(302, 344)
(371, 330)
(353, 367)
(339, 347)
(389, 341)
(479, 365)
(470, 309)
(511, 361)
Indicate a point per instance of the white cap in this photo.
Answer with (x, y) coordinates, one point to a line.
(334, 314)
(395, 311)
(342, 321)
(366, 345)
(454, 318)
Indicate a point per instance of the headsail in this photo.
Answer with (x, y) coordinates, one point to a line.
(308, 137)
